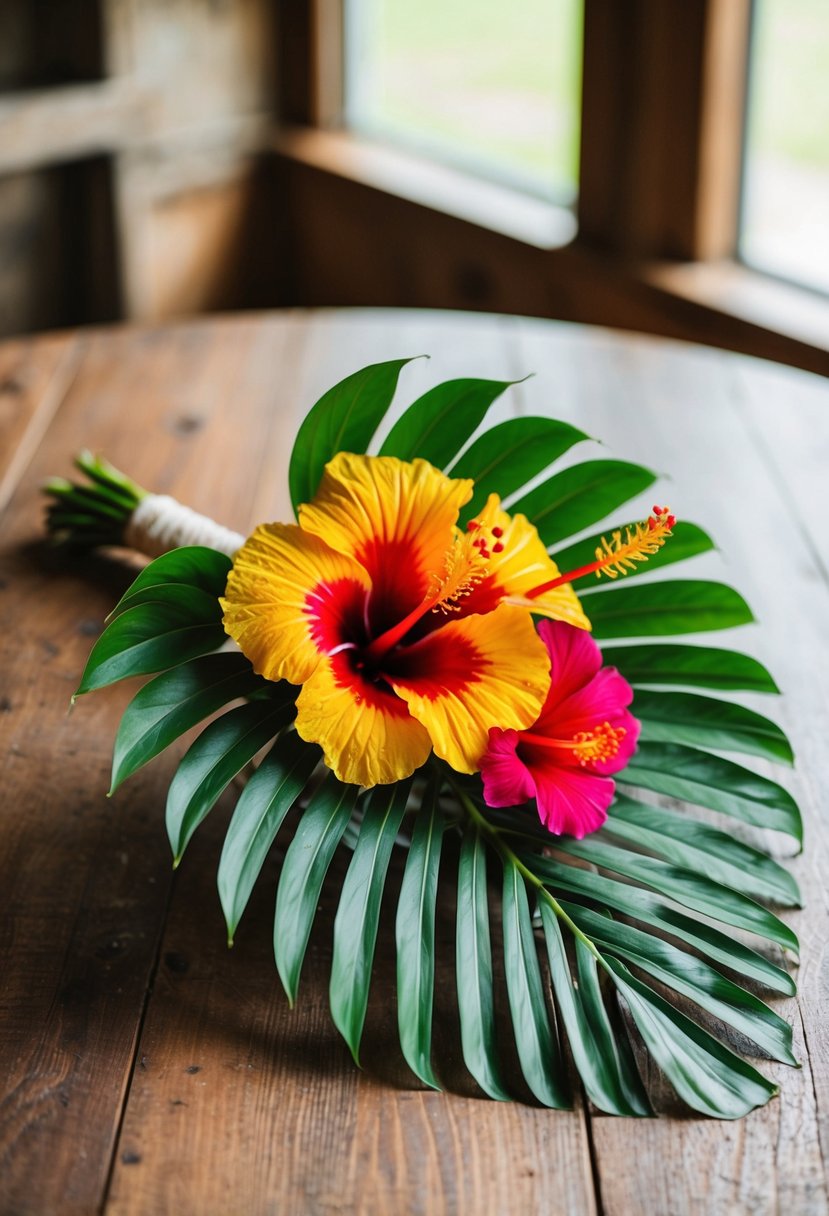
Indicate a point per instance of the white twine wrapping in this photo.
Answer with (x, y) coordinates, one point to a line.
(159, 523)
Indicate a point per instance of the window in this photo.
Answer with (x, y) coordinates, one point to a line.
(785, 222)
(490, 87)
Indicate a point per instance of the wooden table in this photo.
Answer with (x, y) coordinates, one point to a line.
(145, 1068)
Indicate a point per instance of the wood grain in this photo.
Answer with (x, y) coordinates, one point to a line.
(145, 1067)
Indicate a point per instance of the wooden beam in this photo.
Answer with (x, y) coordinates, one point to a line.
(50, 126)
(663, 103)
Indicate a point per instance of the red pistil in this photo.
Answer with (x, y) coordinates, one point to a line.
(587, 746)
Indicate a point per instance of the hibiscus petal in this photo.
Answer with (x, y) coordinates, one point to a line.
(571, 802)
(367, 734)
(521, 564)
(574, 658)
(506, 779)
(290, 599)
(470, 675)
(395, 518)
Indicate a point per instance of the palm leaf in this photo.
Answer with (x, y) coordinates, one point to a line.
(260, 812)
(343, 420)
(538, 1049)
(473, 961)
(306, 863)
(415, 934)
(358, 912)
(658, 897)
(437, 425)
(510, 455)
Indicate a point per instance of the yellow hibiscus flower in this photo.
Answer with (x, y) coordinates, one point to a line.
(406, 633)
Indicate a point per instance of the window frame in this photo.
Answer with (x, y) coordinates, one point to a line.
(664, 86)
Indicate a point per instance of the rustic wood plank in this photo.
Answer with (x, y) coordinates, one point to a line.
(84, 881)
(34, 377)
(276, 1117)
(711, 421)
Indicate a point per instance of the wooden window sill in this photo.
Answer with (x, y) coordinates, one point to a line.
(546, 267)
(742, 294)
(438, 187)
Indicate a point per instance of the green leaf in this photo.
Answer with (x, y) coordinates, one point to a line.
(676, 606)
(705, 1074)
(687, 540)
(685, 887)
(606, 1070)
(195, 565)
(473, 963)
(260, 812)
(438, 424)
(415, 932)
(697, 846)
(144, 640)
(221, 751)
(538, 1050)
(343, 420)
(642, 905)
(358, 913)
(507, 456)
(580, 496)
(303, 871)
(682, 717)
(710, 781)
(174, 702)
(695, 666)
(693, 978)
(200, 606)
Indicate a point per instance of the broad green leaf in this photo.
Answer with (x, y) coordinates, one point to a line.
(687, 540)
(710, 781)
(415, 931)
(507, 456)
(195, 565)
(653, 609)
(473, 962)
(144, 640)
(693, 978)
(609, 1082)
(259, 814)
(705, 1074)
(303, 871)
(201, 606)
(644, 906)
(693, 666)
(221, 751)
(343, 420)
(697, 846)
(694, 891)
(580, 496)
(538, 1050)
(438, 424)
(358, 913)
(174, 702)
(684, 717)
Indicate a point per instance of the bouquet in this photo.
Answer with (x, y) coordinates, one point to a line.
(415, 664)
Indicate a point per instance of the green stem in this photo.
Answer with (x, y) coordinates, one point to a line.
(506, 852)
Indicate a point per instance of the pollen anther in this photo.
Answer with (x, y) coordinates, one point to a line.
(597, 745)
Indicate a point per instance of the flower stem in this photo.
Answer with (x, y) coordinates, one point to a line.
(506, 852)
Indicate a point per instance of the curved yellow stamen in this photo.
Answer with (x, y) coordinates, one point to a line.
(464, 566)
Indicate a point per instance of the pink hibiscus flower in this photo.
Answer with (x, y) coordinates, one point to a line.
(583, 734)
